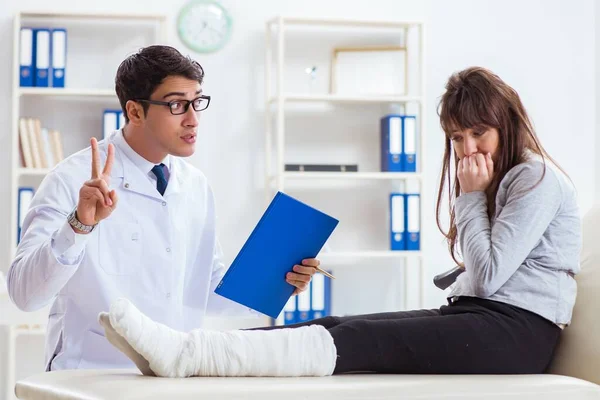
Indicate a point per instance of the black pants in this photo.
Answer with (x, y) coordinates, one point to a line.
(470, 336)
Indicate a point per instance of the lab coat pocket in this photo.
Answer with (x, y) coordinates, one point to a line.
(54, 330)
(97, 352)
(119, 247)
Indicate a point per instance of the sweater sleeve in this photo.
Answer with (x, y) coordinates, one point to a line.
(493, 252)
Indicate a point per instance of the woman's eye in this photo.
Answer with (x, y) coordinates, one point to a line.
(456, 138)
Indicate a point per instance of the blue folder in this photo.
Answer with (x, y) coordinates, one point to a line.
(27, 57)
(288, 232)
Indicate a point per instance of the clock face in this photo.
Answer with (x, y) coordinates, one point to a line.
(204, 26)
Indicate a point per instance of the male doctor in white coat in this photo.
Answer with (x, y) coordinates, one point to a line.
(158, 247)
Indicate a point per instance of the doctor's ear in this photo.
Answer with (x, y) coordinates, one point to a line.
(135, 112)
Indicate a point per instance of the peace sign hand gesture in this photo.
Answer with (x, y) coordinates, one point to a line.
(96, 200)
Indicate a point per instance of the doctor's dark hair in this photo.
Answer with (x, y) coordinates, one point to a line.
(141, 73)
(477, 98)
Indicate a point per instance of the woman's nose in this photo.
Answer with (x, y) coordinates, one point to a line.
(469, 147)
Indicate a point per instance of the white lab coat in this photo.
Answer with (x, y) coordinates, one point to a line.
(161, 252)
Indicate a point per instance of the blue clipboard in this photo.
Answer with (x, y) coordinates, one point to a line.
(288, 232)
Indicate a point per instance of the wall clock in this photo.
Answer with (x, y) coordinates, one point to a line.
(204, 26)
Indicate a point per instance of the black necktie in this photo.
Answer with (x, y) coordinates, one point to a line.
(161, 181)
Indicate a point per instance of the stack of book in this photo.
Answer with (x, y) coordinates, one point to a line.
(39, 147)
(321, 167)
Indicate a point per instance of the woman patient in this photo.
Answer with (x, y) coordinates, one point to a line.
(514, 215)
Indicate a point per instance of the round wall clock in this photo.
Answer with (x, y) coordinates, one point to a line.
(204, 26)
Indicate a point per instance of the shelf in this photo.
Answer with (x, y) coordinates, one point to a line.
(337, 98)
(345, 22)
(371, 254)
(35, 330)
(352, 175)
(33, 171)
(35, 91)
(53, 14)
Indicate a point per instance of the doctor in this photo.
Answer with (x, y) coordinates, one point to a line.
(140, 224)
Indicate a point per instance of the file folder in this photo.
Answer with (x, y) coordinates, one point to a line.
(409, 151)
(304, 309)
(289, 311)
(26, 55)
(391, 143)
(397, 222)
(121, 118)
(320, 296)
(47, 146)
(110, 122)
(413, 221)
(25, 195)
(42, 57)
(288, 232)
(59, 57)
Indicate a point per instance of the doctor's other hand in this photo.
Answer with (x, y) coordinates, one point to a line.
(301, 275)
(96, 200)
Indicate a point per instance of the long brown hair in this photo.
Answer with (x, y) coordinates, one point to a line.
(476, 97)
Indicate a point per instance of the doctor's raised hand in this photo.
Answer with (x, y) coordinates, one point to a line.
(96, 200)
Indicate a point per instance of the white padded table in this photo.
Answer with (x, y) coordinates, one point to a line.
(129, 384)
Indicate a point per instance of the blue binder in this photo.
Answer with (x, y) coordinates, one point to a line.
(24, 197)
(42, 57)
(391, 143)
(397, 222)
(120, 120)
(26, 56)
(304, 310)
(290, 311)
(110, 122)
(413, 221)
(409, 143)
(288, 232)
(59, 56)
(320, 304)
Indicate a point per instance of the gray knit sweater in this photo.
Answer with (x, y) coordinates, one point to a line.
(529, 251)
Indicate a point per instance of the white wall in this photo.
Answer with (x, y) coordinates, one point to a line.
(597, 94)
(543, 48)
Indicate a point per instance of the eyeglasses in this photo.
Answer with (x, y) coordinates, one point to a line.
(178, 107)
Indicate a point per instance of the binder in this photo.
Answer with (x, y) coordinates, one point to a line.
(26, 55)
(413, 221)
(57, 147)
(34, 144)
(391, 143)
(289, 311)
(121, 120)
(25, 195)
(59, 56)
(40, 144)
(47, 146)
(26, 152)
(320, 296)
(42, 57)
(304, 308)
(288, 232)
(409, 151)
(397, 221)
(110, 122)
